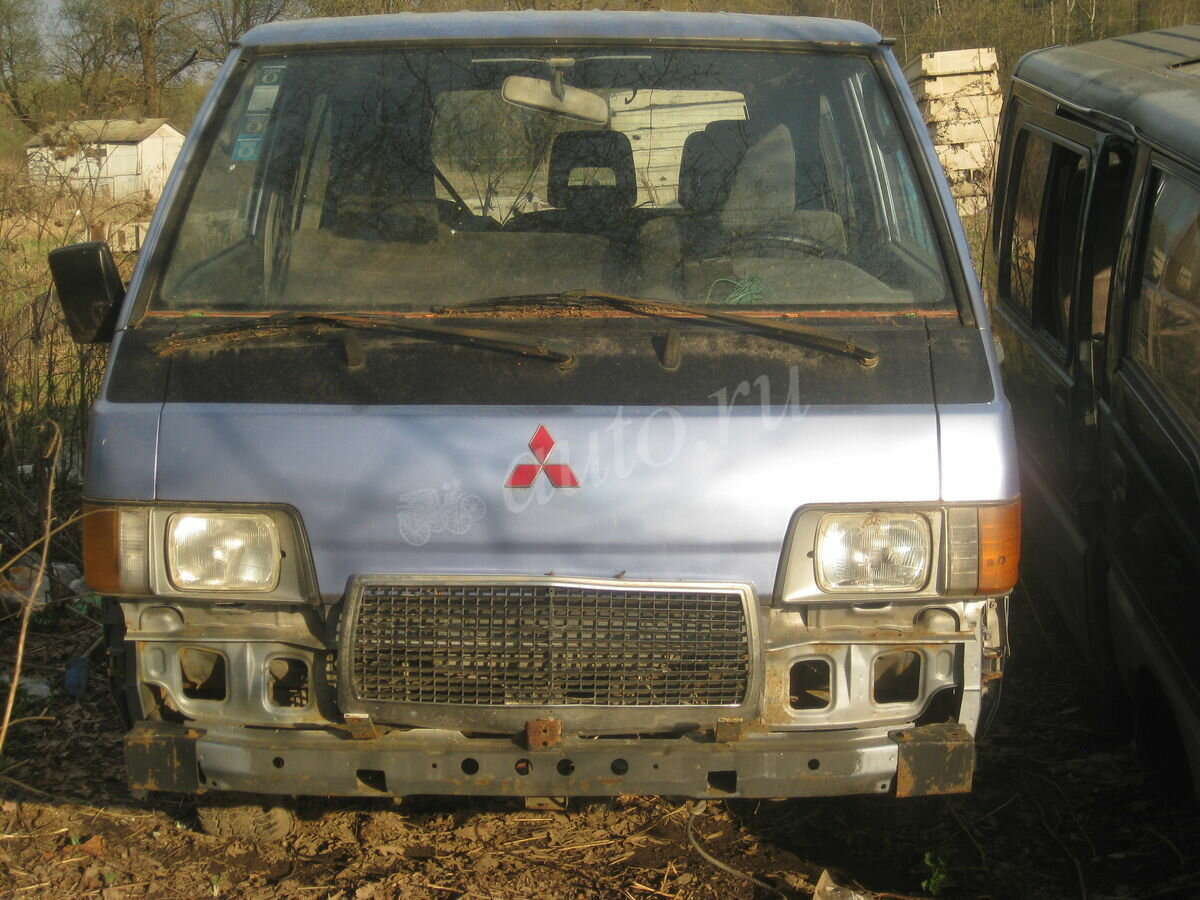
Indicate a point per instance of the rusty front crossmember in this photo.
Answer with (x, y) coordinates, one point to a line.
(930, 759)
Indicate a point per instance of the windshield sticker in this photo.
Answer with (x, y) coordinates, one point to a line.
(430, 511)
(262, 98)
(247, 147)
(248, 144)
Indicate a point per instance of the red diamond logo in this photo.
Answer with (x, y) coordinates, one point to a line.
(525, 474)
(541, 443)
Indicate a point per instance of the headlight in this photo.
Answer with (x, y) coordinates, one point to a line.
(222, 552)
(873, 552)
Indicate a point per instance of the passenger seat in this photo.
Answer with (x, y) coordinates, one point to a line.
(592, 185)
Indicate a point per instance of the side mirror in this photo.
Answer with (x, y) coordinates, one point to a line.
(89, 289)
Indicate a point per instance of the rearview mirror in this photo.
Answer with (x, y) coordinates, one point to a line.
(89, 289)
(568, 102)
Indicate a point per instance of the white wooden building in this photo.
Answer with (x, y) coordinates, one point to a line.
(658, 122)
(114, 157)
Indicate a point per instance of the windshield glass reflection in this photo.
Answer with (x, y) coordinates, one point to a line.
(413, 180)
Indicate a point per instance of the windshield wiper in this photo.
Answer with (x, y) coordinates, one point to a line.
(813, 337)
(291, 323)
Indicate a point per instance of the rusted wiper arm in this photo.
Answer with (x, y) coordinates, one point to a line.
(813, 337)
(291, 323)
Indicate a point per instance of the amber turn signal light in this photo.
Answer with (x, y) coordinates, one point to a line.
(999, 547)
(101, 549)
(115, 550)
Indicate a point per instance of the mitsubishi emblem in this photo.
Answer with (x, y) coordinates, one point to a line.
(525, 474)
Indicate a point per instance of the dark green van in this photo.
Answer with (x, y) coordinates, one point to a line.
(1094, 284)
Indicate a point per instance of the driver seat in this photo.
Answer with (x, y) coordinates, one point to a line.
(758, 195)
(759, 192)
(735, 184)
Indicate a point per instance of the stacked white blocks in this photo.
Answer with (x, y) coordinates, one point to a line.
(958, 93)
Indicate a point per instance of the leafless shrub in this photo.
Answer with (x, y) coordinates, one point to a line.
(44, 375)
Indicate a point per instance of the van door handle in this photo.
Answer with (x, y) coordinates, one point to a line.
(1117, 477)
(1062, 423)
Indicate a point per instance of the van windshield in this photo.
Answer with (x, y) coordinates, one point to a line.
(412, 180)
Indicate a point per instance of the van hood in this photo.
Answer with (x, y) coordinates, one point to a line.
(700, 490)
(658, 493)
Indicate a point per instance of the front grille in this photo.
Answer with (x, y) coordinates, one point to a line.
(542, 644)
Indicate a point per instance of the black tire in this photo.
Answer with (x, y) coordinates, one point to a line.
(244, 817)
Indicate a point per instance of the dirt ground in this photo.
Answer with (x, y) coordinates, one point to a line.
(1060, 809)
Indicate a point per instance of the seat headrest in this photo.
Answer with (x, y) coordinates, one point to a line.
(707, 164)
(763, 187)
(604, 160)
(744, 174)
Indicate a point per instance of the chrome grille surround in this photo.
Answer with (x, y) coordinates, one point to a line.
(481, 651)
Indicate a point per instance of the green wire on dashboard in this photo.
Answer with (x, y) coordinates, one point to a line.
(747, 290)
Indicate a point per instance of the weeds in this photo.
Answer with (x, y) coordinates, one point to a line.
(47, 385)
(939, 877)
(44, 376)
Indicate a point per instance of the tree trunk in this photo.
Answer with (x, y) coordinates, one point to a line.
(151, 89)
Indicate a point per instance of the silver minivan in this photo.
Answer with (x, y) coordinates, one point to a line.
(549, 405)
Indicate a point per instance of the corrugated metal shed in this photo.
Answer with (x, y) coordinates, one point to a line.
(108, 157)
(1150, 80)
(99, 131)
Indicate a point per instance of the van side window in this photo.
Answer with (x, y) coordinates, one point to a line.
(1045, 236)
(913, 226)
(841, 185)
(1165, 315)
(902, 209)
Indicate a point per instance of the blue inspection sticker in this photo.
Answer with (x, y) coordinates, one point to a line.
(246, 147)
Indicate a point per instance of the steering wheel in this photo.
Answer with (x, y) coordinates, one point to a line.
(769, 240)
(457, 215)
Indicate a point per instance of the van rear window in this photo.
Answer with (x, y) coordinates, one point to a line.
(1165, 333)
(412, 180)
